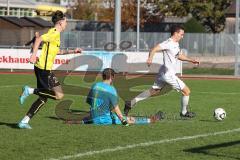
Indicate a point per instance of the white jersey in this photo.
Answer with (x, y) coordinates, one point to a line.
(170, 56)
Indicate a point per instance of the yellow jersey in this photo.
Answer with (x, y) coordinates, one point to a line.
(51, 46)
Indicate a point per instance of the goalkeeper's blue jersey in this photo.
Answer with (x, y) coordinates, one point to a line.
(102, 99)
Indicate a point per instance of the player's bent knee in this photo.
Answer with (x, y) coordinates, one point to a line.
(186, 91)
(189, 91)
(187, 94)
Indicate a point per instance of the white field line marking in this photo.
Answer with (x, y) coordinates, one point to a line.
(119, 148)
(15, 85)
(223, 93)
(10, 86)
(220, 93)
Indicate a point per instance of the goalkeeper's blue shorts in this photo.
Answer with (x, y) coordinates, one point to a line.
(107, 120)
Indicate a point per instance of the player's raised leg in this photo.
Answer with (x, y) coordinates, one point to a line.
(26, 91)
(42, 92)
(142, 96)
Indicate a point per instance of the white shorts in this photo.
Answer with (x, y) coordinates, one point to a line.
(165, 80)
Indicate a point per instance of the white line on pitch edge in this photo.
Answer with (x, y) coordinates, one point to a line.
(220, 93)
(223, 93)
(9, 86)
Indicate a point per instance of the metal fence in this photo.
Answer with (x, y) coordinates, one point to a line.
(196, 43)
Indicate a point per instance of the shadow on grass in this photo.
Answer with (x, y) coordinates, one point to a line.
(208, 120)
(78, 111)
(206, 150)
(64, 112)
(70, 111)
(11, 125)
(54, 118)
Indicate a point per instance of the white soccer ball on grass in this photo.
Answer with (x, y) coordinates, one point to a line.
(219, 114)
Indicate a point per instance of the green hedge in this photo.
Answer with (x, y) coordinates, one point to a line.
(193, 26)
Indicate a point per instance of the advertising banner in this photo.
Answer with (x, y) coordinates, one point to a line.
(131, 62)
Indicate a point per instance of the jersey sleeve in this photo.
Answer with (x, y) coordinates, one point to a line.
(50, 36)
(90, 97)
(164, 45)
(113, 98)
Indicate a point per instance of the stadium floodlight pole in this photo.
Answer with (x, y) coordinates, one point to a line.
(117, 23)
(7, 7)
(138, 23)
(236, 72)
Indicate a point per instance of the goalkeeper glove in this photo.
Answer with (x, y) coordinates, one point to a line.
(124, 121)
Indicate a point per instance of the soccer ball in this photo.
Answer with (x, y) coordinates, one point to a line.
(219, 114)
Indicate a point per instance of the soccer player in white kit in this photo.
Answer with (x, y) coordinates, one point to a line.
(167, 72)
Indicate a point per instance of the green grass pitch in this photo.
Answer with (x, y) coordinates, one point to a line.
(50, 138)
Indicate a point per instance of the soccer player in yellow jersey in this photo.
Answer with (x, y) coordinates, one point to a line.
(47, 84)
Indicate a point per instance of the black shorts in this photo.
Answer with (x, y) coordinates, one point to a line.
(45, 79)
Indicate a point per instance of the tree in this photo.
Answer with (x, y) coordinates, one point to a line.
(85, 10)
(148, 11)
(193, 26)
(211, 14)
(104, 10)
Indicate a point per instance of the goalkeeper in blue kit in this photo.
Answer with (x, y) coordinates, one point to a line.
(104, 108)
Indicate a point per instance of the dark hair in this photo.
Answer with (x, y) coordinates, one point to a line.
(108, 73)
(176, 28)
(57, 16)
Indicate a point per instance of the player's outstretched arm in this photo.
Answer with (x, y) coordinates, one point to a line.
(183, 57)
(30, 42)
(33, 57)
(152, 53)
(70, 51)
(120, 116)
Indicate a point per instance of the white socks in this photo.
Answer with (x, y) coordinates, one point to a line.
(30, 90)
(25, 119)
(140, 97)
(184, 104)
